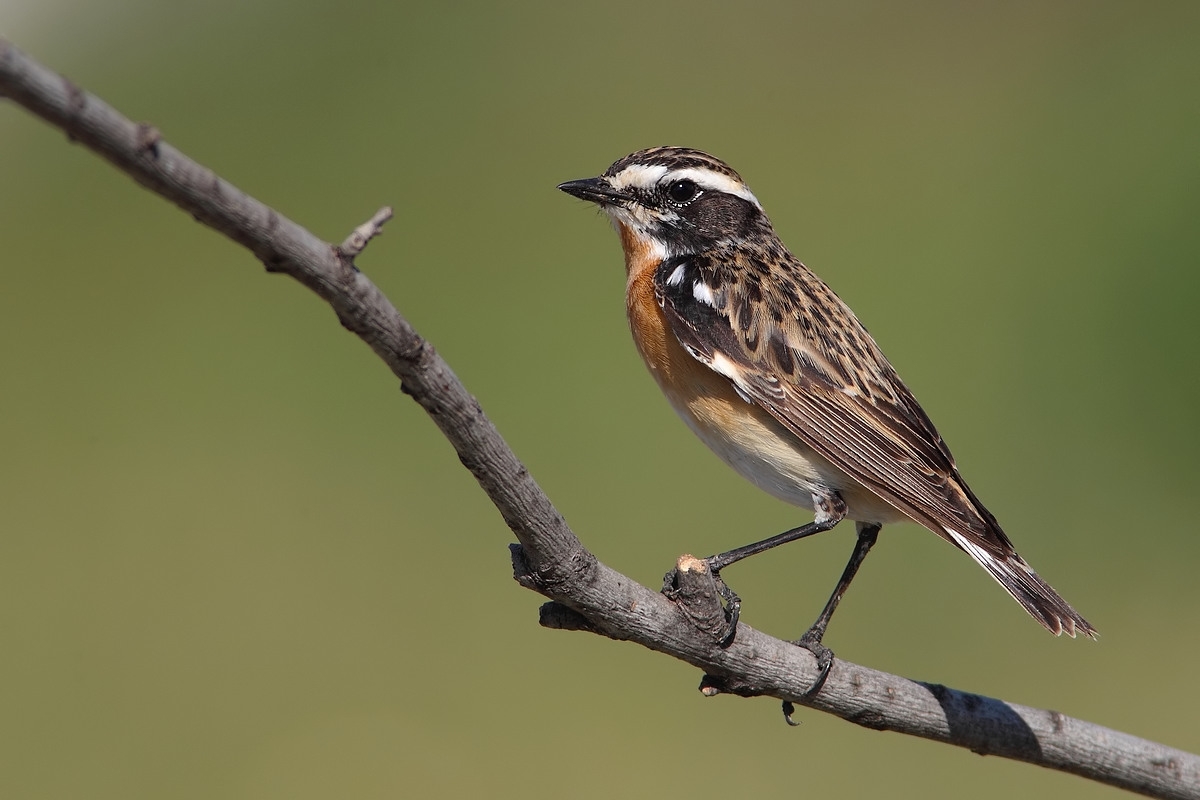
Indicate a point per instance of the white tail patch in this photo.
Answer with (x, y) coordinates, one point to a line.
(1019, 580)
(976, 552)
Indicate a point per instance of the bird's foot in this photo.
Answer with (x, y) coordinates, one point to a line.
(733, 609)
(811, 641)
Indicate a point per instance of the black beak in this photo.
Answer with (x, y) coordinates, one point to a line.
(595, 190)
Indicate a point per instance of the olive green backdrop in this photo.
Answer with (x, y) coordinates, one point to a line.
(236, 562)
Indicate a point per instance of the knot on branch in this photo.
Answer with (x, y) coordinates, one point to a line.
(554, 578)
(558, 617)
(713, 685)
(147, 139)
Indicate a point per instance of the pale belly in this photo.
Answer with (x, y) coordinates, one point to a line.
(765, 453)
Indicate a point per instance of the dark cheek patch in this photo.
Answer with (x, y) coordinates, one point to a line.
(718, 215)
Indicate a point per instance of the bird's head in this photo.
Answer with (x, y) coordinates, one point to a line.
(683, 201)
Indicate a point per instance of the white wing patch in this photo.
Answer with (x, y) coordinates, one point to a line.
(721, 365)
(676, 277)
(702, 293)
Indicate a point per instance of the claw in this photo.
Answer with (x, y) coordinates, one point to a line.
(733, 609)
(671, 583)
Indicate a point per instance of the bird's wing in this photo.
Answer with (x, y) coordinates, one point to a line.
(791, 346)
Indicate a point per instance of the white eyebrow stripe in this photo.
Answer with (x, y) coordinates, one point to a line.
(708, 179)
(645, 176)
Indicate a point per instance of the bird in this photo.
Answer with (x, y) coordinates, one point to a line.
(777, 376)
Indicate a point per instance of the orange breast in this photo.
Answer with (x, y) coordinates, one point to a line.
(736, 430)
(682, 378)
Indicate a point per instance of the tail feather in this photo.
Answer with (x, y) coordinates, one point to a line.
(1018, 578)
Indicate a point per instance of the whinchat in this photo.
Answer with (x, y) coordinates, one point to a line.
(779, 378)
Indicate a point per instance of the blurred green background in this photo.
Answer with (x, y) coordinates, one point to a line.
(236, 562)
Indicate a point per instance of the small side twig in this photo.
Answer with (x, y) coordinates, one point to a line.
(361, 236)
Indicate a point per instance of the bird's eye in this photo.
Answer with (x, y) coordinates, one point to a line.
(682, 191)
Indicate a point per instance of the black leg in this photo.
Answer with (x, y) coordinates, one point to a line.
(811, 640)
(830, 511)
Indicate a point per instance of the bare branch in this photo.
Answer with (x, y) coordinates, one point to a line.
(587, 595)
